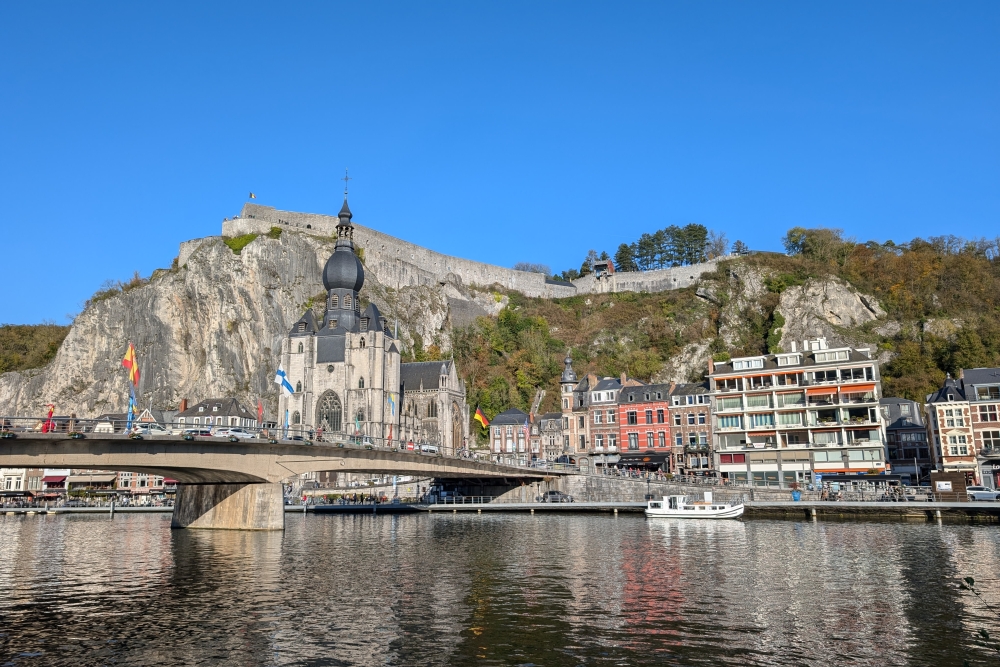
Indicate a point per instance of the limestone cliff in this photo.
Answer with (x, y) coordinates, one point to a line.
(211, 327)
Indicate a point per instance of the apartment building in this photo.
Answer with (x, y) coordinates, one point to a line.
(644, 427)
(547, 435)
(792, 417)
(690, 413)
(510, 440)
(949, 426)
(906, 439)
(983, 392)
(590, 414)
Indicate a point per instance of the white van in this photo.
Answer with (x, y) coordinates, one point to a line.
(429, 449)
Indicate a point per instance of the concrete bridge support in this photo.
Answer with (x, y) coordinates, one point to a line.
(229, 507)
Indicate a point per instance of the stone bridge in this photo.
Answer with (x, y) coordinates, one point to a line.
(224, 484)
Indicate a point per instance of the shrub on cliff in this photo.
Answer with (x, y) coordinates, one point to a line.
(237, 243)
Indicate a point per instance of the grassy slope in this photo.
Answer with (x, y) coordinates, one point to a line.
(24, 346)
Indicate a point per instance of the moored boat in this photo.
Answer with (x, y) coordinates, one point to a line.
(681, 507)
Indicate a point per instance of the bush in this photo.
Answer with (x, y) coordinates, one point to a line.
(275, 233)
(237, 243)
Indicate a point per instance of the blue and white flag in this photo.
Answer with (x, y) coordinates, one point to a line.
(281, 379)
(131, 410)
(284, 435)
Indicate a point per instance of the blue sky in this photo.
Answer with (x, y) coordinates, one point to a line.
(496, 131)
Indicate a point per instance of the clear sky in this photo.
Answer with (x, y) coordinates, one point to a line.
(497, 131)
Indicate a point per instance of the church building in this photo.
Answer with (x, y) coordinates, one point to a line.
(346, 372)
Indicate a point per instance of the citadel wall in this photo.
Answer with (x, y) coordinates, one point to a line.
(397, 263)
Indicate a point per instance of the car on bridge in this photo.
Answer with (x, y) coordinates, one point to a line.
(568, 460)
(233, 432)
(150, 429)
(429, 449)
(197, 432)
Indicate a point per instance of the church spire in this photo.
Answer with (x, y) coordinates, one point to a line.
(345, 229)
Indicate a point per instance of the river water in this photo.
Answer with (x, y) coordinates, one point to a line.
(467, 589)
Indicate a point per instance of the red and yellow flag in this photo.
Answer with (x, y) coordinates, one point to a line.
(481, 418)
(132, 365)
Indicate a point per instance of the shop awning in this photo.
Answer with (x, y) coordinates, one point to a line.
(169, 482)
(105, 478)
(820, 391)
(857, 389)
(14, 494)
(52, 479)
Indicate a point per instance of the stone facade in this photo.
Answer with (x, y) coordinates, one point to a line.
(434, 407)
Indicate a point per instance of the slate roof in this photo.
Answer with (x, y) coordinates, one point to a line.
(951, 386)
(310, 321)
(980, 376)
(227, 407)
(895, 417)
(693, 388)
(510, 417)
(638, 394)
(808, 359)
(411, 374)
(604, 384)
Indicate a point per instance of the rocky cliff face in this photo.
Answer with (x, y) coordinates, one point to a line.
(213, 327)
(825, 308)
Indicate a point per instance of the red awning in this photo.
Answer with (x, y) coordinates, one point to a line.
(54, 478)
(814, 391)
(168, 481)
(857, 389)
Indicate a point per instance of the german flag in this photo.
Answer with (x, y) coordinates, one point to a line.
(132, 365)
(481, 418)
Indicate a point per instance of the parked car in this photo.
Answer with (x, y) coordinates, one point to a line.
(198, 432)
(429, 449)
(555, 497)
(234, 432)
(982, 493)
(540, 463)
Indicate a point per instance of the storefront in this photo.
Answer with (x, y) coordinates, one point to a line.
(647, 461)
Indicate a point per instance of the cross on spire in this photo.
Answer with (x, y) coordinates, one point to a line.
(345, 179)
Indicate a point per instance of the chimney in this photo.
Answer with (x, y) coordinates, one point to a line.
(711, 366)
(623, 378)
(184, 405)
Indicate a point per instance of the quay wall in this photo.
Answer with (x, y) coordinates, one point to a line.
(608, 489)
(397, 263)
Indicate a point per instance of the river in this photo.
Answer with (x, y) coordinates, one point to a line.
(493, 589)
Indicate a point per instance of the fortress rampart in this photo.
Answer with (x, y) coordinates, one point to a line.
(397, 263)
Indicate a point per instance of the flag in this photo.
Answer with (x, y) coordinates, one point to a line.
(282, 380)
(481, 418)
(253, 196)
(285, 436)
(260, 412)
(525, 428)
(131, 409)
(392, 405)
(132, 365)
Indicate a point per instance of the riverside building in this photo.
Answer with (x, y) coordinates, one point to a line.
(792, 417)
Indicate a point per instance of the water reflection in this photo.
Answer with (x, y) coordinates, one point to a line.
(493, 590)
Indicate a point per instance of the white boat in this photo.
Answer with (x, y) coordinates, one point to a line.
(681, 507)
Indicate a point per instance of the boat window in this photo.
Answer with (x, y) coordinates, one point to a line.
(655, 505)
(701, 507)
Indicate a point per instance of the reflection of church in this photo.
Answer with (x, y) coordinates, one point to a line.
(347, 374)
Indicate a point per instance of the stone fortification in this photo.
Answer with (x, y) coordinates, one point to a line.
(398, 263)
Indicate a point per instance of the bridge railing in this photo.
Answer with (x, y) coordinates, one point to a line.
(77, 427)
(459, 500)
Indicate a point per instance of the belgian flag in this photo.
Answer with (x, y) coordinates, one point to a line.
(481, 418)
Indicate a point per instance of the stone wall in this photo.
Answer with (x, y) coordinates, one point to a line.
(603, 488)
(398, 263)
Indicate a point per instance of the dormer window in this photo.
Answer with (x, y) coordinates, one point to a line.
(302, 326)
(951, 397)
(201, 408)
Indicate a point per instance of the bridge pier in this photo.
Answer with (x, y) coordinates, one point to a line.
(229, 507)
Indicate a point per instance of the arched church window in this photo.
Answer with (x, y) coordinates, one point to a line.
(361, 383)
(329, 412)
(298, 387)
(432, 409)
(347, 301)
(362, 342)
(334, 301)
(300, 347)
(296, 417)
(361, 415)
